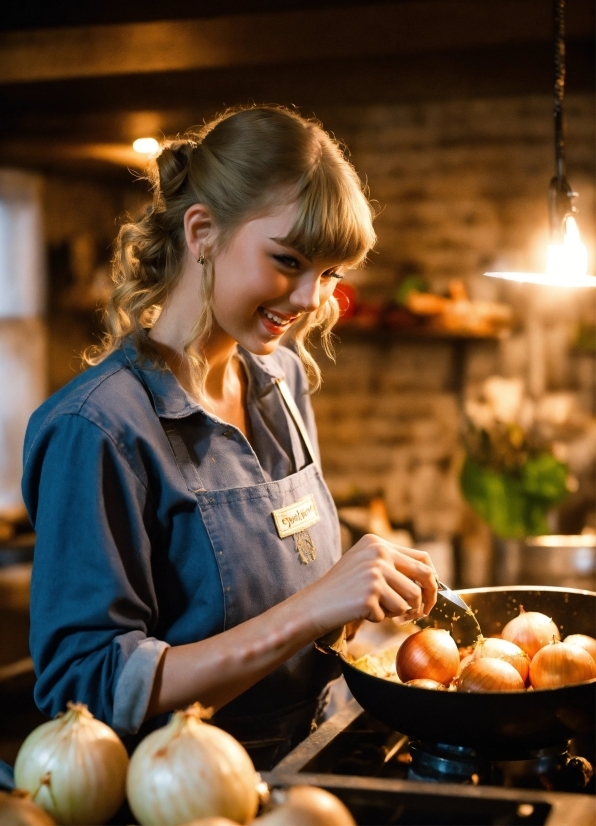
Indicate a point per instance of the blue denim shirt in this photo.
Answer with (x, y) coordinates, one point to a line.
(113, 582)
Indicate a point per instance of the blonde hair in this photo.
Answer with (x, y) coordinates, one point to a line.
(240, 165)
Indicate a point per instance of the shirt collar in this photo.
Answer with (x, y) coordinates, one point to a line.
(170, 399)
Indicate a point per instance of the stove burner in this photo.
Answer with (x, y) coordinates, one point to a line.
(550, 768)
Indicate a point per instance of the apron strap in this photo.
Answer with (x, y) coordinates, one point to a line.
(297, 417)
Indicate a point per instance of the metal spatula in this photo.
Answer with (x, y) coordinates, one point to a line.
(450, 595)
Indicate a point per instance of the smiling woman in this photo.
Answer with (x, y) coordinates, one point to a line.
(205, 557)
(297, 167)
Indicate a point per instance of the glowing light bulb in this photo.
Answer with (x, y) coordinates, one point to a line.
(146, 146)
(568, 260)
(566, 263)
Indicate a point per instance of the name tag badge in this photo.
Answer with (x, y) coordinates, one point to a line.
(297, 517)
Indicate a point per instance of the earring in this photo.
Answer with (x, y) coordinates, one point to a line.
(201, 259)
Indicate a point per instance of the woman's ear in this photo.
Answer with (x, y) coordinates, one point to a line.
(198, 229)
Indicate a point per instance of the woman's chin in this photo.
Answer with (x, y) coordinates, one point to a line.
(259, 347)
(259, 342)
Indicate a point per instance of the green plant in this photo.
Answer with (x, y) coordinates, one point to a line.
(510, 475)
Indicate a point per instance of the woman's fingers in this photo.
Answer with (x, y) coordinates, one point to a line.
(407, 588)
(387, 602)
(417, 565)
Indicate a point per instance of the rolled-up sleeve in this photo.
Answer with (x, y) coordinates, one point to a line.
(93, 602)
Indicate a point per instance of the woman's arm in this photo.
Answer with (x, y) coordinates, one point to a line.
(373, 580)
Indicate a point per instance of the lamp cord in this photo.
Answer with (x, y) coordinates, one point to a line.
(559, 87)
(560, 194)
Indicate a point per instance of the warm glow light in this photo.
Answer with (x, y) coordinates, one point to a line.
(568, 258)
(146, 146)
(566, 263)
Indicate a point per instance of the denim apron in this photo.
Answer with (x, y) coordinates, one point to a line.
(270, 540)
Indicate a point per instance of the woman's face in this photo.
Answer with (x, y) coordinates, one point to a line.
(262, 287)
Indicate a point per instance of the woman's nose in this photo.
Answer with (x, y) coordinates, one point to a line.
(307, 294)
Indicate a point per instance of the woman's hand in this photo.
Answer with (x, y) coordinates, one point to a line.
(373, 580)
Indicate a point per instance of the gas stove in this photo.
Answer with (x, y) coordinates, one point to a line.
(384, 778)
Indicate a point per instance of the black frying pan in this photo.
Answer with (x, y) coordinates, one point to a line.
(491, 721)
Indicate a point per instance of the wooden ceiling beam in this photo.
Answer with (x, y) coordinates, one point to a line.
(372, 30)
(121, 108)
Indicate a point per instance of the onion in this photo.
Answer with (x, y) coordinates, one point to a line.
(17, 809)
(431, 654)
(585, 642)
(499, 649)
(465, 651)
(423, 682)
(74, 767)
(530, 630)
(490, 675)
(307, 806)
(465, 662)
(189, 770)
(561, 663)
(212, 821)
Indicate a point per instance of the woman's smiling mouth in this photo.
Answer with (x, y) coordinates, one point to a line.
(275, 323)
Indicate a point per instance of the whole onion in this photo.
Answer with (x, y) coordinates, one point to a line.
(429, 654)
(74, 767)
(530, 630)
(17, 809)
(490, 675)
(584, 641)
(189, 770)
(561, 663)
(499, 649)
(307, 806)
(423, 682)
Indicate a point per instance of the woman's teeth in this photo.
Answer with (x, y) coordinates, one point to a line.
(281, 322)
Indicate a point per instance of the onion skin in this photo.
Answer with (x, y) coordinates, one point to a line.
(423, 682)
(212, 821)
(17, 809)
(499, 649)
(74, 767)
(465, 662)
(288, 815)
(429, 654)
(308, 806)
(487, 674)
(561, 663)
(189, 770)
(585, 642)
(530, 630)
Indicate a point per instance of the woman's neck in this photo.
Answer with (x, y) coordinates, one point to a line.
(225, 383)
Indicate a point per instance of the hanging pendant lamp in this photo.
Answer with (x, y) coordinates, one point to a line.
(566, 256)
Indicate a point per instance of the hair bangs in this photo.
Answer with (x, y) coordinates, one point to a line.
(334, 220)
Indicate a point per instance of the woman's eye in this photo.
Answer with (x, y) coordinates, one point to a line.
(333, 274)
(288, 261)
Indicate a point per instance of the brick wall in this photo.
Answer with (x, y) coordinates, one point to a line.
(461, 187)
(462, 184)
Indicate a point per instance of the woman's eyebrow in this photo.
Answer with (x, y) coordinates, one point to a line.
(292, 249)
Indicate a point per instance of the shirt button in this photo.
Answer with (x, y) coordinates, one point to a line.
(227, 433)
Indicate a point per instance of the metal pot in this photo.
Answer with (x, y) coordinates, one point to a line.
(565, 561)
(494, 722)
